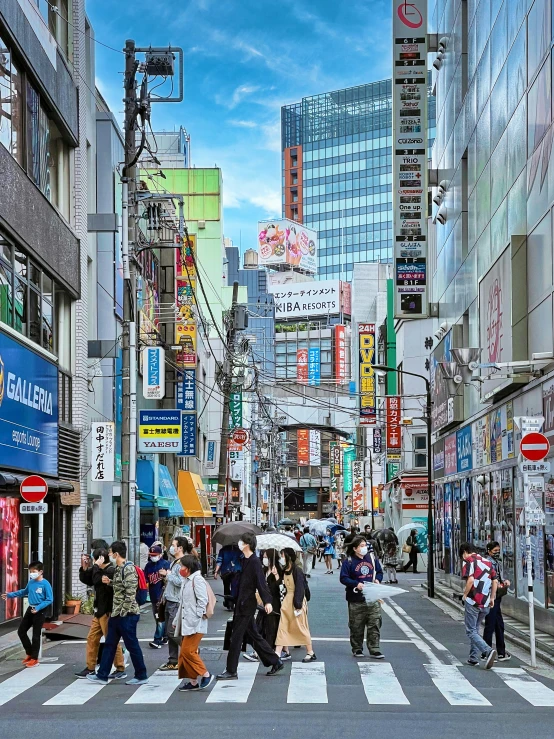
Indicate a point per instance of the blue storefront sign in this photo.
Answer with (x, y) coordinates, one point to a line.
(186, 390)
(314, 366)
(464, 449)
(188, 425)
(28, 409)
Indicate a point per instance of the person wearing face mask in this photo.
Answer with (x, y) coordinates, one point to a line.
(268, 623)
(494, 622)
(38, 592)
(152, 571)
(329, 551)
(361, 568)
(172, 593)
(293, 626)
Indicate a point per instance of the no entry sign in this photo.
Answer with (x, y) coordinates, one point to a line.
(33, 489)
(534, 446)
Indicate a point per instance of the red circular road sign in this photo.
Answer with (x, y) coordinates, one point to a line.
(534, 446)
(240, 436)
(33, 489)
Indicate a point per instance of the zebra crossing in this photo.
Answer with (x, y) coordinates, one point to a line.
(307, 684)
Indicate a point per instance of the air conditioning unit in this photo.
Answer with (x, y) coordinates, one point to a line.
(201, 224)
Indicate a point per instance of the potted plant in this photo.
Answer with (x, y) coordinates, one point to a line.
(87, 606)
(72, 603)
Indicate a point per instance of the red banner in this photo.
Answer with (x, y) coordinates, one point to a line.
(302, 366)
(303, 443)
(394, 434)
(340, 353)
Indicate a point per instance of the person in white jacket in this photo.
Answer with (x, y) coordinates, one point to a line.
(191, 624)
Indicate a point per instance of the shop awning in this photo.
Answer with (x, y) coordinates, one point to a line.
(193, 496)
(14, 480)
(168, 500)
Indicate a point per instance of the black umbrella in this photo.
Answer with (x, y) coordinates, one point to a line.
(230, 533)
(286, 522)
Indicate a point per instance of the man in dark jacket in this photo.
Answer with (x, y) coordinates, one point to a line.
(155, 580)
(103, 601)
(251, 579)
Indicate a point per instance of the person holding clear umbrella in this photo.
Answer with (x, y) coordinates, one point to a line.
(293, 626)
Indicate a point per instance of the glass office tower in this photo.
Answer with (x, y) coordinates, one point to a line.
(337, 173)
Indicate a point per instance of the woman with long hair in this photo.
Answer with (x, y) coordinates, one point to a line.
(329, 551)
(293, 626)
(268, 623)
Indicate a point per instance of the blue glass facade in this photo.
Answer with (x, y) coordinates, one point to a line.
(344, 139)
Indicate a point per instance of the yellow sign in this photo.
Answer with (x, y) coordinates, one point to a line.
(186, 257)
(185, 338)
(150, 431)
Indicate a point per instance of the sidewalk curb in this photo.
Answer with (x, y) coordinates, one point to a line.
(514, 635)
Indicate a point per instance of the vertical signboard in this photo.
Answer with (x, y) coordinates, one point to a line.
(340, 353)
(302, 366)
(303, 445)
(235, 409)
(368, 404)
(394, 434)
(464, 449)
(103, 451)
(358, 489)
(315, 447)
(211, 449)
(409, 147)
(335, 458)
(185, 392)
(188, 434)
(349, 457)
(314, 366)
(377, 440)
(153, 372)
(450, 455)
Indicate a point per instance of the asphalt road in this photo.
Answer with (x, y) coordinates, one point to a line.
(423, 688)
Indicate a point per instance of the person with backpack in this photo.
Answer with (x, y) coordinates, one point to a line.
(228, 565)
(191, 623)
(124, 618)
(361, 568)
(293, 626)
(309, 549)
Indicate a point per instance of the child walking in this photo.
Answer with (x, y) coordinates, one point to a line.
(38, 591)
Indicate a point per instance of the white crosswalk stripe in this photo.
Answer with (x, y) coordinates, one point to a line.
(158, 689)
(27, 678)
(235, 691)
(455, 687)
(381, 685)
(532, 690)
(76, 693)
(308, 683)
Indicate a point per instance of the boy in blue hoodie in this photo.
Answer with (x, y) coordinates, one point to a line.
(155, 571)
(38, 591)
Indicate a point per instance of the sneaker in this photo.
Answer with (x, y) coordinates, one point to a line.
(473, 662)
(136, 681)
(32, 662)
(483, 656)
(84, 673)
(504, 657)
(165, 641)
(117, 675)
(490, 659)
(275, 669)
(377, 655)
(27, 658)
(154, 645)
(285, 656)
(310, 657)
(167, 667)
(185, 687)
(358, 653)
(93, 677)
(206, 682)
(226, 675)
(251, 656)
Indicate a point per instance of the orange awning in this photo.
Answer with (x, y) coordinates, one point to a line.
(192, 495)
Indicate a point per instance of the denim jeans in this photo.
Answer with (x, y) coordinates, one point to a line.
(160, 627)
(122, 627)
(473, 619)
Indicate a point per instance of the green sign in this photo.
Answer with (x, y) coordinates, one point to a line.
(349, 457)
(392, 470)
(235, 409)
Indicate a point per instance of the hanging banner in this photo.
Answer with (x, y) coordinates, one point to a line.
(185, 338)
(315, 447)
(302, 366)
(409, 160)
(314, 366)
(349, 455)
(235, 409)
(394, 433)
(153, 372)
(358, 488)
(340, 353)
(368, 406)
(185, 390)
(103, 451)
(377, 440)
(188, 435)
(303, 445)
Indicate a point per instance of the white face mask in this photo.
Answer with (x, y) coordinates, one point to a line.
(156, 558)
(172, 550)
(265, 562)
(113, 560)
(282, 561)
(363, 551)
(241, 545)
(34, 575)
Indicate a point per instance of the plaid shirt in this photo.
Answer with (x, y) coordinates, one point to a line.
(483, 572)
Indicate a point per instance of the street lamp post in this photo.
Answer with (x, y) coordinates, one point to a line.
(430, 523)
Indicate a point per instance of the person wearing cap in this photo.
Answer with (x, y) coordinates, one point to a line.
(154, 571)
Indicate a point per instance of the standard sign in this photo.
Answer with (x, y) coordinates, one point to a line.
(534, 446)
(33, 508)
(160, 432)
(409, 158)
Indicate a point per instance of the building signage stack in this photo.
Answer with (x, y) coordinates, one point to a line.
(394, 433)
(368, 385)
(185, 302)
(409, 145)
(161, 432)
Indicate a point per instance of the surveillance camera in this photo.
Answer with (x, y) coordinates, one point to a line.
(438, 198)
(437, 64)
(441, 215)
(443, 43)
(445, 326)
(439, 333)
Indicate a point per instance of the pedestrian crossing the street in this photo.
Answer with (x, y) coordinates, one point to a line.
(306, 684)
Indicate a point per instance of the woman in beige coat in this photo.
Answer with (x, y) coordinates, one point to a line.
(293, 626)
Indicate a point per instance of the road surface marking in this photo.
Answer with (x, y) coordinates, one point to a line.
(235, 691)
(457, 689)
(158, 689)
(412, 636)
(27, 678)
(534, 692)
(307, 683)
(426, 635)
(76, 693)
(381, 685)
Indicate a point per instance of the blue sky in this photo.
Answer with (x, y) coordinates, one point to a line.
(243, 60)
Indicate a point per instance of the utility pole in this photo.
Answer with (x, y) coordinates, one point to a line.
(227, 367)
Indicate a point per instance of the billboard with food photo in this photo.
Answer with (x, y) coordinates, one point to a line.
(287, 242)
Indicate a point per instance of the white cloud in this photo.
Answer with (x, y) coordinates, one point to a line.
(243, 124)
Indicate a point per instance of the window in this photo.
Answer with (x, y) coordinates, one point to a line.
(420, 451)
